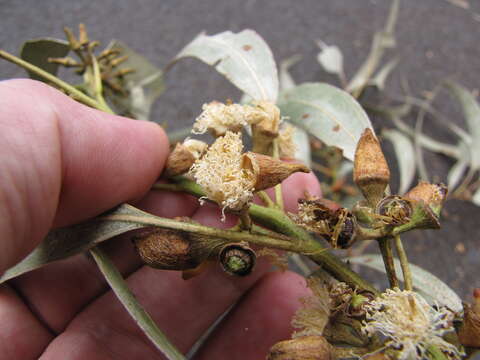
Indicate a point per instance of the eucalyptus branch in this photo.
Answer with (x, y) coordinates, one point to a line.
(69, 89)
(387, 255)
(267, 201)
(128, 300)
(402, 255)
(278, 221)
(278, 187)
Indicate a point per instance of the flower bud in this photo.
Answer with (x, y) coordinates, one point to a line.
(469, 333)
(268, 171)
(168, 249)
(371, 172)
(433, 195)
(302, 348)
(237, 259)
(266, 128)
(184, 156)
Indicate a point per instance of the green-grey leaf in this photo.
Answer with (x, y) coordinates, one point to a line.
(38, 51)
(457, 171)
(331, 58)
(243, 58)
(405, 154)
(144, 85)
(471, 111)
(286, 81)
(382, 40)
(381, 76)
(134, 308)
(328, 113)
(68, 241)
(302, 145)
(476, 197)
(428, 285)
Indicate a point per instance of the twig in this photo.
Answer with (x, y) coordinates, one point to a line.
(402, 256)
(128, 300)
(387, 255)
(266, 199)
(71, 90)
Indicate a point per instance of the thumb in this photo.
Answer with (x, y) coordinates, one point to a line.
(62, 162)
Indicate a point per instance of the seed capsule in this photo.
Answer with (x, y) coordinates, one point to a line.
(237, 259)
(469, 333)
(433, 195)
(397, 210)
(371, 172)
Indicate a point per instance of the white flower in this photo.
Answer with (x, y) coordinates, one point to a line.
(220, 118)
(221, 174)
(410, 324)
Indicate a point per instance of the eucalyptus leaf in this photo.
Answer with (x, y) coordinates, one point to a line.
(243, 58)
(144, 85)
(434, 290)
(331, 58)
(64, 242)
(302, 145)
(476, 197)
(381, 76)
(328, 113)
(382, 40)
(286, 81)
(457, 171)
(471, 111)
(38, 51)
(405, 154)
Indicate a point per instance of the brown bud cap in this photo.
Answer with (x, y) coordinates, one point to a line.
(371, 172)
(469, 332)
(268, 171)
(433, 195)
(179, 161)
(266, 128)
(168, 249)
(302, 348)
(237, 259)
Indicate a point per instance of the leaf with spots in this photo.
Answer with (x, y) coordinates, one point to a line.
(328, 113)
(244, 58)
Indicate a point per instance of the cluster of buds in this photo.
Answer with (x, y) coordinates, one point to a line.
(108, 61)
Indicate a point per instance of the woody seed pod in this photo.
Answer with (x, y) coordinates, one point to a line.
(302, 348)
(371, 172)
(168, 249)
(268, 171)
(469, 333)
(433, 195)
(237, 259)
(179, 161)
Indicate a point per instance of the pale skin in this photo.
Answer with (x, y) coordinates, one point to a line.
(61, 163)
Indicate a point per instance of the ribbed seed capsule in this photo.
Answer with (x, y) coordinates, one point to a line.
(396, 209)
(371, 172)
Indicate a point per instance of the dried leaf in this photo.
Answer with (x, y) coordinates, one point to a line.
(328, 113)
(68, 241)
(426, 284)
(331, 58)
(405, 156)
(144, 85)
(243, 58)
(382, 40)
(38, 51)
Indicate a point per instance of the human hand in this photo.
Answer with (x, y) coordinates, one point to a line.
(62, 163)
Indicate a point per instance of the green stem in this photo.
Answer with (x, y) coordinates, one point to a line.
(71, 90)
(278, 187)
(402, 255)
(265, 198)
(278, 221)
(387, 254)
(128, 300)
